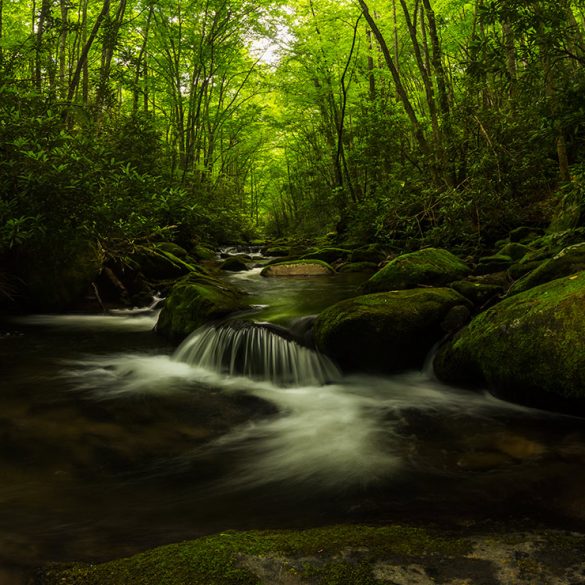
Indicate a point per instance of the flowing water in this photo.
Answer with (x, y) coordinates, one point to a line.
(113, 441)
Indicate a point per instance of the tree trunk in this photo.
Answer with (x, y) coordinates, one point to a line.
(85, 51)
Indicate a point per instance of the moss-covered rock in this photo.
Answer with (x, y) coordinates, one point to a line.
(329, 255)
(385, 332)
(277, 251)
(527, 348)
(358, 267)
(427, 267)
(234, 264)
(514, 250)
(173, 249)
(525, 234)
(343, 555)
(298, 268)
(494, 263)
(158, 264)
(194, 301)
(478, 293)
(201, 252)
(54, 278)
(566, 262)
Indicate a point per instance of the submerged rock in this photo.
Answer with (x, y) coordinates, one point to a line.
(527, 348)
(385, 332)
(298, 268)
(194, 301)
(427, 267)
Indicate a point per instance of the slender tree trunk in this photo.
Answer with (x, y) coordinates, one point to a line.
(63, 48)
(85, 52)
(43, 15)
(400, 89)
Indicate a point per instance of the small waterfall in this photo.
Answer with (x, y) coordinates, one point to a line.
(257, 351)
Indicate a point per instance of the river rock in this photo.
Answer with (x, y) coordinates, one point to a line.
(298, 268)
(234, 264)
(385, 332)
(159, 264)
(568, 261)
(173, 249)
(427, 267)
(194, 301)
(329, 255)
(527, 348)
(352, 267)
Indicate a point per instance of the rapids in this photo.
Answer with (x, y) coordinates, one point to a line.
(114, 441)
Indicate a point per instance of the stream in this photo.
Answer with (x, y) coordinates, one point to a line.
(113, 441)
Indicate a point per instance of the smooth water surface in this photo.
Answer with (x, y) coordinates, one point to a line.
(112, 441)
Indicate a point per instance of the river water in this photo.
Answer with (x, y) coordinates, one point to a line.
(111, 442)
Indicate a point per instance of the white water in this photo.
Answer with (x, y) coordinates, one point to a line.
(255, 352)
(328, 436)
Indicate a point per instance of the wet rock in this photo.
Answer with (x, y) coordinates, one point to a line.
(427, 267)
(234, 264)
(527, 348)
(298, 268)
(194, 301)
(158, 264)
(329, 255)
(356, 267)
(568, 261)
(385, 332)
(347, 555)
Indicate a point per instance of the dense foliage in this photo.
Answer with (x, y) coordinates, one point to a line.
(427, 121)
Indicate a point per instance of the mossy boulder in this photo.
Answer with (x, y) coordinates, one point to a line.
(527, 348)
(478, 293)
(173, 249)
(566, 262)
(525, 234)
(54, 278)
(194, 301)
(201, 252)
(385, 332)
(427, 267)
(329, 255)
(494, 263)
(158, 264)
(234, 264)
(277, 251)
(358, 267)
(298, 268)
(344, 555)
(514, 250)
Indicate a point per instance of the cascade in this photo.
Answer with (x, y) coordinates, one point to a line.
(256, 350)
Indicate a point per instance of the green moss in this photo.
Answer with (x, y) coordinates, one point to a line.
(173, 249)
(525, 347)
(568, 261)
(318, 554)
(477, 292)
(358, 267)
(202, 252)
(431, 266)
(195, 300)
(514, 250)
(388, 332)
(328, 255)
